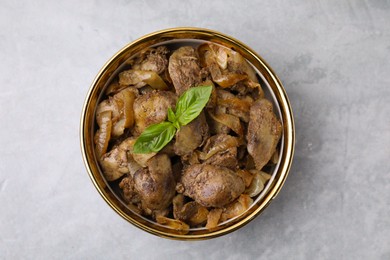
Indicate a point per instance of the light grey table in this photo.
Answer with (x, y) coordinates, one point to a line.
(334, 60)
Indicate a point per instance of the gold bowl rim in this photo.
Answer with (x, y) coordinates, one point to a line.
(188, 33)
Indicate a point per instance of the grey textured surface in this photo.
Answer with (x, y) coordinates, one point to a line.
(333, 58)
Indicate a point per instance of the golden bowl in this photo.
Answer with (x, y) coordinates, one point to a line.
(274, 92)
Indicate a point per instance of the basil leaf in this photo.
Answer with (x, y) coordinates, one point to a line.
(171, 115)
(191, 103)
(154, 138)
(172, 118)
(188, 107)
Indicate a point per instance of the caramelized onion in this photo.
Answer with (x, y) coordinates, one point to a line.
(238, 63)
(246, 176)
(228, 79)
(230, 121)
(258, 183)
(200, 217)
(222, 58)
(275, 157)
(114, 87)
(103, 134)
(216, 61)
(140, 78)
(173, 223)
(235, 103)
(227, 67)
(237, 207)
(255, 85)
(213, 218)
(121, 108)
(127, 96)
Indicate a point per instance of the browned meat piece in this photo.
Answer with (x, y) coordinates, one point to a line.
(191, 159)
(221, 150)
(226, 158)
(211, 186)
(186, 211)
(184, 69)
(120, 161)
(129, 193)
(155, 184)
(191, 136)
(152, 108)
(168, 150)
(153, 59)
(177, 205)
(177, 168)
(114, 163)
(116, 157)
(264, 132)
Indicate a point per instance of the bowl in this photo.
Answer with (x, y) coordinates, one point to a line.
(273, 89)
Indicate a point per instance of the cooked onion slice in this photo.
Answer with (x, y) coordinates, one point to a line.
(217, 60)
(237, 207)
(191, 212)
(222, 58)
(121, 108)
(140, 78)
(255, 85)
(275, 157)
(230, 121)
(235, 103)
(173, 223)
(258, 183)
(127, 96)
(246, 176)
(114, 87)
(226, 80)
(213, 218)
(200, 217)
(227, 67)
(238, 63)
(103, 134)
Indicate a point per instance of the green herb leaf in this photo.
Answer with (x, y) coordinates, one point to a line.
(154, 138)
(171, 115)
(191, 103)
(188, 107)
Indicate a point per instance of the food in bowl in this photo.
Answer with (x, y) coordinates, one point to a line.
(187, 135)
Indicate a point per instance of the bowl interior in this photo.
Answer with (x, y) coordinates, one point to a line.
(173, 40)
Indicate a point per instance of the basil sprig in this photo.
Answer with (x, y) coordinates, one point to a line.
(188, 107)
(154, 138)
